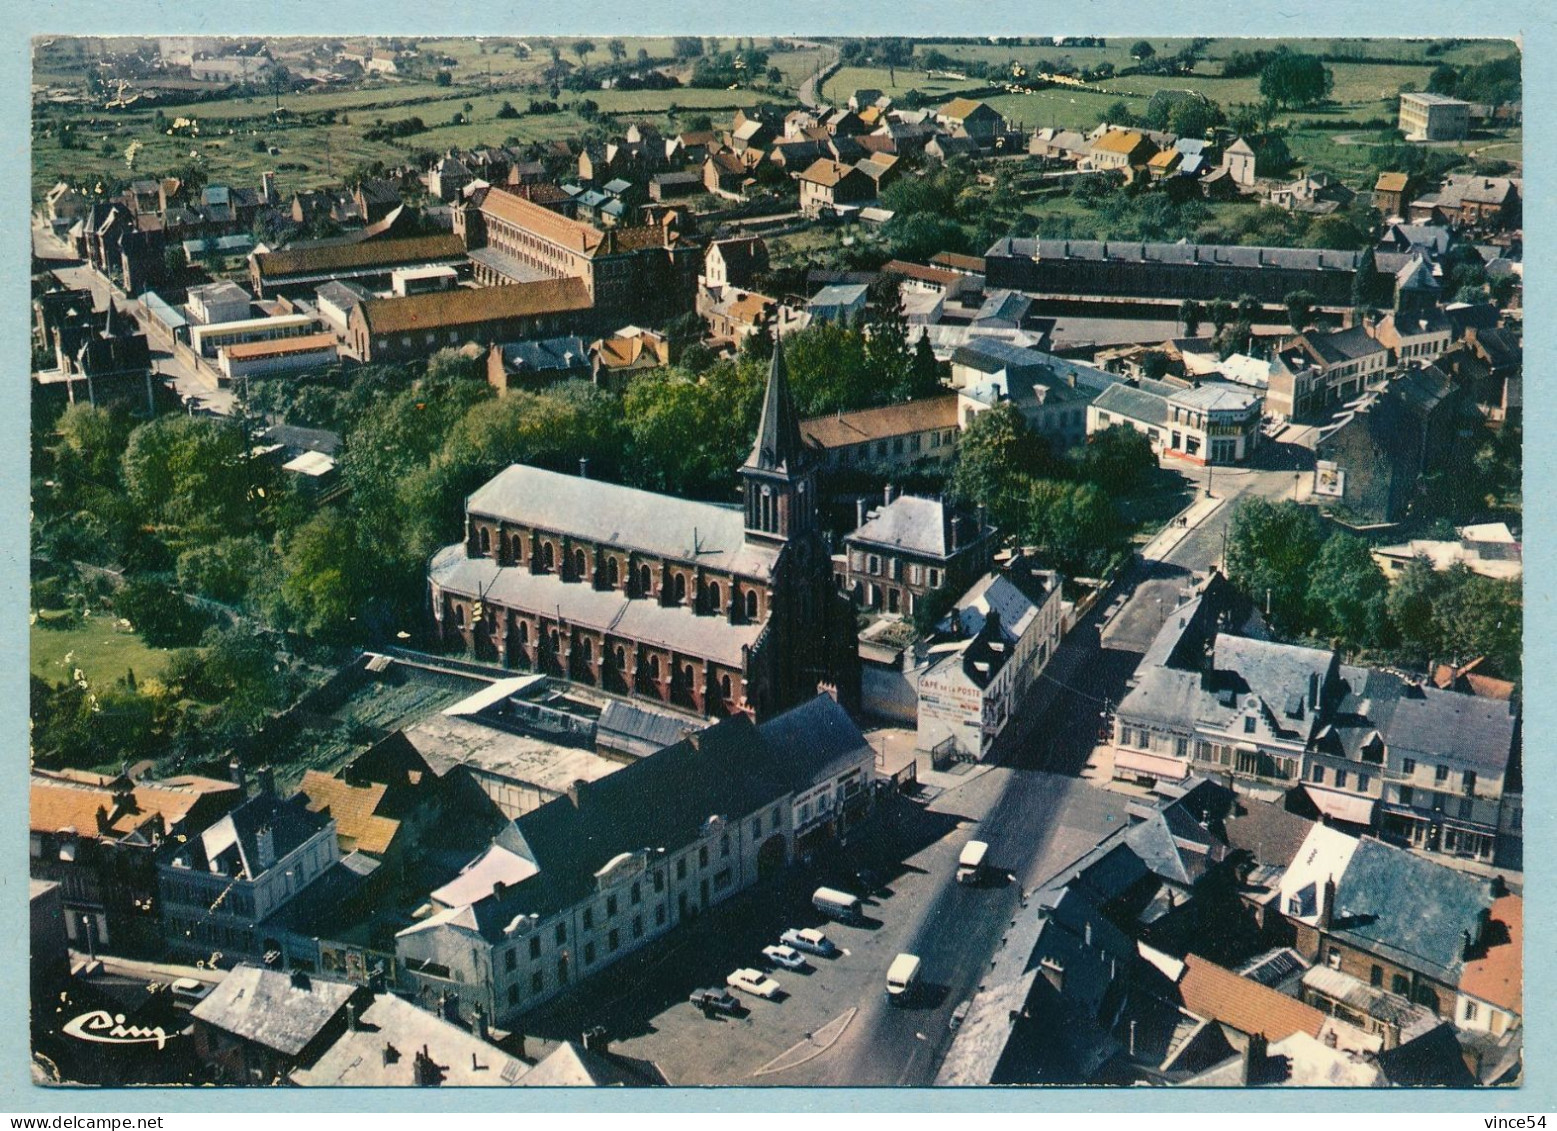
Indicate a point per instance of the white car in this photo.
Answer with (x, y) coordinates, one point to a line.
(189, 992)
(810, 940)
(785, 956)
(752, 982)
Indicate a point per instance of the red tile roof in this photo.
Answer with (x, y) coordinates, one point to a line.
(1217, 994)
(1498, 976)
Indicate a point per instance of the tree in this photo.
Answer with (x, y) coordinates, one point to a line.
(320, 588)
(1154, 364)
(1294, 79)
(1220, 312)
(162, 617)
(1300, 309)
(617, 50)
(1190, 314)
(997, 457)
(92, 443)
(506, 110)
(1444, 80)
(1142, 50)
(1118, 113)
(1347, 593)
(1118, 459)
(443, 78)
(189, 472)
(1270, 550)
(924, 370)
(1480, 616)
(1412, 597)
(582, 48)
(687, 434)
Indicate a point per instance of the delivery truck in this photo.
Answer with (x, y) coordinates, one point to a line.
(902, 979)
(970, 865)
(837, 904)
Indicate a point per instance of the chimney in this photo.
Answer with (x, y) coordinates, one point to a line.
(859, 512)
(449, 1007)
(583, 467)
(265, 846)
(351, 1017)
(596, 1039)
(499, 889)
(104, 826)
(1499, 886)
(267, 780)
(235, 772)
(479, 1024)
(1327, 904)
(1254, 1057)
(956, 532)
(1054, 971)
(425, 1071)
(1086, 932)
(268, 187)
(1467, 945)
(888, 494)
(576, 792)
(1313, 691)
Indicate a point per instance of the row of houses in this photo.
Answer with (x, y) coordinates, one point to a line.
(1221, 941)
(1437, 770)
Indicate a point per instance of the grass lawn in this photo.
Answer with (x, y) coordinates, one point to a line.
(836, 90)
(102, 650)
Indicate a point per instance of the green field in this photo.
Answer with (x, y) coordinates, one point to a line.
(102, 650)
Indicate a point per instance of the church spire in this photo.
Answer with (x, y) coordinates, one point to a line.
(778, 446)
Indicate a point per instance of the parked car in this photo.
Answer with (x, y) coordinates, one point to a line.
(786, 956)
(809, 940)
(753, 982)
(716, 1001)
(189, 992)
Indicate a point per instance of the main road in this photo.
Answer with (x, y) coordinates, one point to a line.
(1041, 823)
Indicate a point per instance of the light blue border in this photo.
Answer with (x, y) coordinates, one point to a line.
(1527, 20)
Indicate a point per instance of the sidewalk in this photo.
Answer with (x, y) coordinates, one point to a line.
(1167, 539)
(895, 748)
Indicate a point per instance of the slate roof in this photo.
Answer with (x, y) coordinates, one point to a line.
(607, 611)
(1342, 346)
(991, 355)
(342, 294)
(663, 801)
(1409, 909)
(778, 446)
(272, 1009)
(1464, 731)
(381, 1052)
(810, 741)
(545, 355)
(1134, 251)
(1009, 306)
(234, 839)
(912, 523)
(1132, 403)
(1433, 1060)
(571, 1065)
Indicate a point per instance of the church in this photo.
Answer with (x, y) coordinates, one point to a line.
(717, 610)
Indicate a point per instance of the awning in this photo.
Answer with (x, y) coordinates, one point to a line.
(1353, 808)
(1155, 765)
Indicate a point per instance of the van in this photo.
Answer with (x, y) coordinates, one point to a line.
(837, 904)
(970, 865)
(902, 978)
